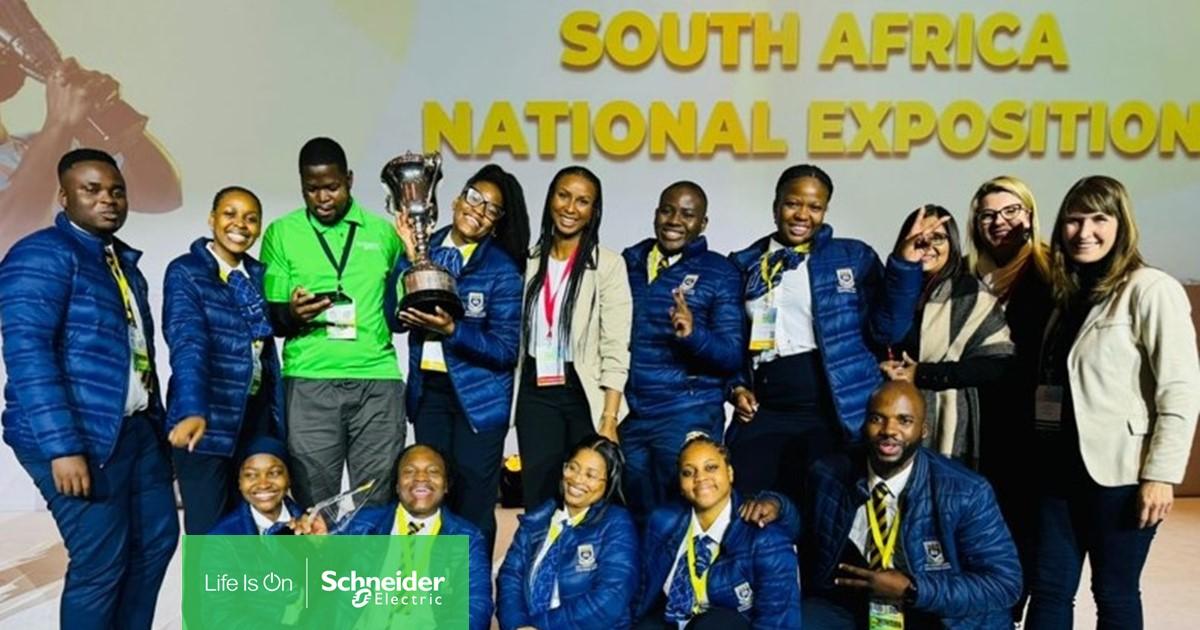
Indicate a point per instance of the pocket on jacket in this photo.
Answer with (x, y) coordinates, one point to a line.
(1138, 425)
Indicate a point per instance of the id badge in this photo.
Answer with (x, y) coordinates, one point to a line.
(884, 616)
(550, 370)
(762, 327)
(342, 321)
(1047, 407)
(141, 354)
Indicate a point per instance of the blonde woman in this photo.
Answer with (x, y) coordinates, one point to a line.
(1006, 252)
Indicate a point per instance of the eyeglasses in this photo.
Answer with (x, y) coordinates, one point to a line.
(476, 200)
(1008, 213)
(591, 476)
(936, 240)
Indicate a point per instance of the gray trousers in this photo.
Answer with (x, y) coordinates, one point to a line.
(358, 423)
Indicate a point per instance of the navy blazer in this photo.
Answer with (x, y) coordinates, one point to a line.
(481, 356)
(211, 364)
(957, 548)
(66, 344)
(596, 581)
(378, 521)
(240, 522)
(755, 572)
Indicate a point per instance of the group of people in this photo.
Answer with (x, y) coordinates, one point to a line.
(876, 403)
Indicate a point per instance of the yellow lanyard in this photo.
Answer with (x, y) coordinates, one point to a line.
(653, 260)
(699, 582)
(114, 267)
(886, 551)
(802, 248)
(466, 251)
(402, 522)
(556, 528)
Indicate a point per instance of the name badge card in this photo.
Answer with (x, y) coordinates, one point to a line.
(342, 320)
(762, 326)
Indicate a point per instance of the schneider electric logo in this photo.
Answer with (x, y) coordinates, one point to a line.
(393, 590)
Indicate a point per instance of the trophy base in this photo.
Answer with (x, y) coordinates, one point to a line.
(427, 287)
(429, 300)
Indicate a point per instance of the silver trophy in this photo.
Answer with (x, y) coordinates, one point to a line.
(410, 181)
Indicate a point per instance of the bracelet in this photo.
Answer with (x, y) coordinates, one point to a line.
(608, 415)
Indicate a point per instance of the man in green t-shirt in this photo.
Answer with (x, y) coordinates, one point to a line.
(327, 264)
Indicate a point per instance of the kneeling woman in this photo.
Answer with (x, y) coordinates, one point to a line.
(702, 567)
(264, 482)
(573, 561)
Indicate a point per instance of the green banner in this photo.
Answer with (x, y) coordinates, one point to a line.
(329, 582)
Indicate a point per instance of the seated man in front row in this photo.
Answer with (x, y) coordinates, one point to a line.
(911, 538)
(422, 480)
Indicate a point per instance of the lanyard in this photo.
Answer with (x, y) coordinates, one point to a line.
(886, 551)
(699, 582)
(402, 522)
(338, 266)
(114, 267)
(550, 300)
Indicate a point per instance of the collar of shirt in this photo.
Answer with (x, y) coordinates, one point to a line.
(354, 214)
(895, 484)
(716, 530)
(466, 249)
(426, 523)
(655, 257)
(223, 266)
(263, 523)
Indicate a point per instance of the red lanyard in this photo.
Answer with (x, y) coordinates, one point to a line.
(550, 300)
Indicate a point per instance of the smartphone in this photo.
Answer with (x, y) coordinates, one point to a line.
(334, 297)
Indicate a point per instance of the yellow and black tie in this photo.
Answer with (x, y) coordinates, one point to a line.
(878, 504)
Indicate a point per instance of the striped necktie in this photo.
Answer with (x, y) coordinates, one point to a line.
(878, 504)
(414, 528)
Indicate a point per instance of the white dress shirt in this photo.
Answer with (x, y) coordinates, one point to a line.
(792, 298)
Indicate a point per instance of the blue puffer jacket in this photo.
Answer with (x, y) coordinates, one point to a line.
(211, 365)
(958, 550)
(856, 303)
(597, 575)
(66, 343)
(378, 521)
(240, 522)
(669, 374)
(755, 572)
(482, 354)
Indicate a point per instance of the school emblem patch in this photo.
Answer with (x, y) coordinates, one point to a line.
(689, 283)
(845, 280)
(475, 305)
(934, 557)
(745, 596)
(585, 557)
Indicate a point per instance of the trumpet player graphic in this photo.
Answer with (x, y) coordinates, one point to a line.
(83, 108)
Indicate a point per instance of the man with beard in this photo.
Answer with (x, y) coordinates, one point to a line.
(912, 537)
(327, 264)
(688, 342)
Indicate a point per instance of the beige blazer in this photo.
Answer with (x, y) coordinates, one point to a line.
(1135, 382)
(600, 328)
